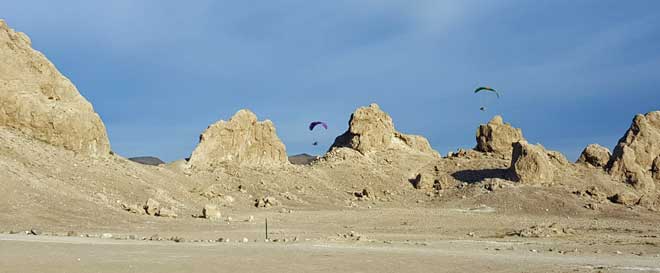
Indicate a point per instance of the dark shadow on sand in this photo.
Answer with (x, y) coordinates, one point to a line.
(476, 176)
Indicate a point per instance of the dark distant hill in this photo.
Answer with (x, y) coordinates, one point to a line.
(301, 159)
(147, 160)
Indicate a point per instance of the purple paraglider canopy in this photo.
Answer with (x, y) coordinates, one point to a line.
(317, 123)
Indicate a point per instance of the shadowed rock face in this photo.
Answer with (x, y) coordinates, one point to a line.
(240, 141)
(634, 156)
(372, 130)
(497, 137)
(37, 100)
(531, 164)
(595, 155)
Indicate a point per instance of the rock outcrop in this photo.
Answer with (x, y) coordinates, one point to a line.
(497, 137)
(37, 100)
(431, 177)
(211, 212)
(372, 130)
(636, 153)
(625, 198)
(531, 164)
(242, 141)
(595, 155)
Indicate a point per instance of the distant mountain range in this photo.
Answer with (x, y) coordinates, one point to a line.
(147, 160)
(302, 159)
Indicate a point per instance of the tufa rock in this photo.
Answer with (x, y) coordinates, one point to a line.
(152, 207)
(372, 130)
(497, 137)
(211, 212)
(166, 212)
(595, 155)
(266, 202)
(430, 178)
(625, 198)
(241, 141)
(530, 164)
(133, 208)
(634, 156)
(423, 181)
(38, 101)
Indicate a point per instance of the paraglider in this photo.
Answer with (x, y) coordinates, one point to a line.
(486, 89)
(317, 123)
(313, 125)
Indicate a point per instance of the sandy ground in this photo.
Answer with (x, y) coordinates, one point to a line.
(61, 254)
(391, 240)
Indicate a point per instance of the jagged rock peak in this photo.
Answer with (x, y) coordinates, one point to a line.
(243, 140)
(634, 156)
(497, 137)
(372, 130)
(595, 155)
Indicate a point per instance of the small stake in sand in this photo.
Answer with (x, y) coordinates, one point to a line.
(266, 228)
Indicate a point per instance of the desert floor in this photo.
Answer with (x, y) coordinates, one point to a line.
(356, 240)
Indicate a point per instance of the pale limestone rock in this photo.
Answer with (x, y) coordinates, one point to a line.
(634, 155)
(372, 130)
(497, 137)
(37, 100)
(242, 141)
(595, 155)
(211, 212)
(530, 164)
(626, 198)
(167, 212)
(152, 207)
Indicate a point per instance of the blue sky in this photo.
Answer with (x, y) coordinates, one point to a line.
(159, 71)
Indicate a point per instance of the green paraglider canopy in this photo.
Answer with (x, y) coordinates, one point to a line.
(486, 88)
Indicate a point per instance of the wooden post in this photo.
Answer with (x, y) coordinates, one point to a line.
(266, 228)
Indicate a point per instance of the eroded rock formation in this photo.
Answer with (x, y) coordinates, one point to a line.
(372, 130)
(37, 100)
(634, 156)
(497, 137)
(531, 164)
(240, 141)
(595, 155)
